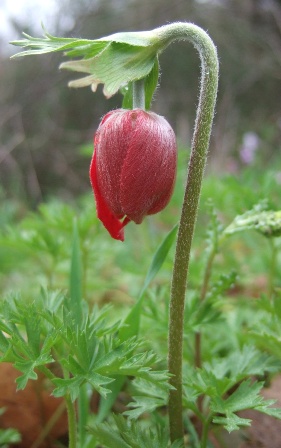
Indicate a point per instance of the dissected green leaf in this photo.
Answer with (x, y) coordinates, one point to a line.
(107, 402)
(114, 60)
(147, 397)
(117, 65)
(246, 396)
(231, 422)
(79, 47)
(268, 223)
(132, 434)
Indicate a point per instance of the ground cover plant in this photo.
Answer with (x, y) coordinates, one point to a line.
(94, 318)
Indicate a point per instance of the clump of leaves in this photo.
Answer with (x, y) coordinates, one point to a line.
(130, 434)
(37, 334)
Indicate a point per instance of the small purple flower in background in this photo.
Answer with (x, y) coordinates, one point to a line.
(249, 146)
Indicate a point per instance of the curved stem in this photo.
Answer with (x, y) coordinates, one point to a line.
(200, 144)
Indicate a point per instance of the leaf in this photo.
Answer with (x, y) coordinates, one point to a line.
(268, 223)
(114, 60)
(246, 396)
(130, 325)
(49, 43)
(115, 66)
(159, 257)
(9, 437)
(269, 341)
(132, 434)
(28, 368)
(232, 422)
(29, 374)
(151, 82)
(141, 405)
(147, 397)
(106, 403)
(108, 437)
(79, 47)
(150, 85)
(65, 386)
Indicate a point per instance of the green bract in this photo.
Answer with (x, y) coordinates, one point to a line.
(114, 60)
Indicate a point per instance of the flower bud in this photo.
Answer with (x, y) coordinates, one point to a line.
(133, 168)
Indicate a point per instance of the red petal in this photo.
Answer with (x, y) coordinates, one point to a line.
(149, 168)
(109, 220)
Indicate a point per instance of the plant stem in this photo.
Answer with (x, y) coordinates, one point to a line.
(203, 292)
(272, 267)
(197, 162)
(206, 426)
(83, 412)
(138, 94)
(72, 430)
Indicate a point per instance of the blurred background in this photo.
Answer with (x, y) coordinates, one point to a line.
(46, 128)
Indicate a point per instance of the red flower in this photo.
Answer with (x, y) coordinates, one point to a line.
(133, 168)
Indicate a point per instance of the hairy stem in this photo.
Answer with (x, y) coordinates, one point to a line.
(199, 148)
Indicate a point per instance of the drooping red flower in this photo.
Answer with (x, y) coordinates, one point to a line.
(133, 168)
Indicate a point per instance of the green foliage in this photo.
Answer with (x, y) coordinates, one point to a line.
(227, 384)
(266, 331)
(131, 323)
(87, 352)
(214, 229)
(114, 60)
(8, 437)
(132, 435)
(64, 248)
(76, 281)
(150, 84)
(268, 223)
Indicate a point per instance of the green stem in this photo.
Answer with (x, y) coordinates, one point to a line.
(199, 148)
(83, 412)
(203, 292)
(272, 267)
(139, 94)
(72, 425)
(206, 427)
(72, 429)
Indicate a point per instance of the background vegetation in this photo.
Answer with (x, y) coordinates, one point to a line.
(45, 148)
(45, 125)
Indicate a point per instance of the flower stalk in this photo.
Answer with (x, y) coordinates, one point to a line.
(199, 149)
(139, 94)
